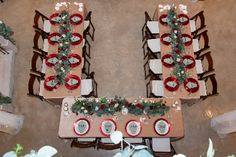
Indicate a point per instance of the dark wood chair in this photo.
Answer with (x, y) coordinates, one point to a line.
(83, 144)
(37, 60)
(213, 86)
(3, 51)
(93, 93)
(86, 66)
(199, 20)
(45, 22)
(86, 45)
(89, 27)
(203, 43)
(151, 51)
(31, 86)
(1, 1)
(38, 40)
(148, 73)
(207, 63)
(149, 27)
(149, 90)
(108, 146)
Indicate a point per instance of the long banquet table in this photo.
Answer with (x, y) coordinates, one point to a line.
(174, 116)
(167, 72)
(62, 91)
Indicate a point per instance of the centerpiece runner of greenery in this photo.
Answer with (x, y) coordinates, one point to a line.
(4, 99)
(177, 45)
(63, 65)
(6, 32)
(105, 106)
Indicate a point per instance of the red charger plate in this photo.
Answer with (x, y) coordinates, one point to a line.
(190, 58)
(166, 64)
(187, 43)
(168, 87)
(49, 57)
(168, 123)
(75, 125)
(52, 35)
(73, 86)
(77, 57)
(77, 22)
(127, 130)
(191, 90)
(112, 121)
(50, 78)
(161, 17)
(52, 16)
(184, 16)
(79, 41)
(164, 36)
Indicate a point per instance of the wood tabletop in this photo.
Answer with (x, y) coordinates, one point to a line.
(174, 116)
(62, 91)
(167, 72)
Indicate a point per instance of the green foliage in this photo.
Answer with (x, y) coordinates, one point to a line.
(63, 66)
(177, 46)
(18, 149)
(6, 32)
(110, 106)
(4, 99)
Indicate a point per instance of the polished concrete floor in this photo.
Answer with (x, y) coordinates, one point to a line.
(117, 60)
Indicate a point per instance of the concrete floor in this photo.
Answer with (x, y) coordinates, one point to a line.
(118, 64)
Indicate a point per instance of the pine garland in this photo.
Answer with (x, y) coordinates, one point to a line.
(106, 106)
(63, 66)
(4, 99)
(6, 32)
(177, 45)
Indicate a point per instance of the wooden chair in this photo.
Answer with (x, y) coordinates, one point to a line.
(86, 66)
(1, 1)
(151, 48)
(197, 19)
(89, 86)
(208, 68)
(41, 45)
(153, 69)
(3, 51)
(107, 145)
(204, 86)
(200, 43)
(86, 45)
(150, 27)
(155, 89)
(164, 147)
(88, 25)
(31, 86)
(84, 144)
(45, 20)
(35, 61)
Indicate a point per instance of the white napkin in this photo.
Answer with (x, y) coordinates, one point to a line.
(74, 38)
(191, 85)
(53, 60)
(183, 19)
(55, 38)
(51, 83)
(72, 82)
(168, 60)
(185, 39)
(187, 61)
(75, 19)
(167, 39)
(73, 60)
(171, 84)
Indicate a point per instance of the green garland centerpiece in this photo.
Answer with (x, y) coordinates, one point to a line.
(177, 45)
(4, 99)
(105, 106)
(63, 66)
(6, 32)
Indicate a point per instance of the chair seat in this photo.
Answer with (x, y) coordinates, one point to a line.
(134, 140)
(41, 88)
(45, 45)
(199, 67)
(155, 66)
(202, 86)
(47, 26)
(192, 25)
(86, 139)
(153, 26)
(157, 88)
(196, 46)
(86, 24)
(43, 67)
(6, 71)
(106, 140)
(86, 86)
(154, 45)
(161, 144)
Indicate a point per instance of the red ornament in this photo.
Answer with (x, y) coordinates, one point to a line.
(102, 107)
(177, 51)
(139, 105)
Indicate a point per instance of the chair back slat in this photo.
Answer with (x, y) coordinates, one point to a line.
(37, 17)
(213, 81)
(147, 17)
